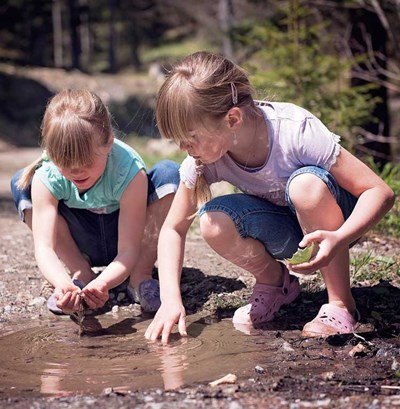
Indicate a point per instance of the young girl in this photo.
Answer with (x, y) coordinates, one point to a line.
(89, 202)
(299, 187)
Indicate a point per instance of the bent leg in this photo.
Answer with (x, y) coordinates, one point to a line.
(318, 209)
(155, 216)
(252, 234)
(163, 183)
(219, 231)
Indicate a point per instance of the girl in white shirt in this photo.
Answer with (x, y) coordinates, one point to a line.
(299, 187)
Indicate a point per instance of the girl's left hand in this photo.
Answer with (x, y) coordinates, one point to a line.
(327, 243)
(95, 293)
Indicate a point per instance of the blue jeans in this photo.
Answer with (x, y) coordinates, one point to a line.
(96, 235)
(275, 226)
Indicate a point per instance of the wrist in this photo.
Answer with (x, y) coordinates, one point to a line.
(104, 283)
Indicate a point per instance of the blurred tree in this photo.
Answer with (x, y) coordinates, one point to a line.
(368, 41)
(112, 45)
(225, 15)
(57, 34)
(344, 42)
(295, 59)
(75, 39)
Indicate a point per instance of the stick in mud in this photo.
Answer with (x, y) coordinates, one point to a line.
(81, 315)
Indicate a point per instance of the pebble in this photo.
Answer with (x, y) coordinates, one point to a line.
(287, 347)
(259, 369)
(108, 391)
(235, 405)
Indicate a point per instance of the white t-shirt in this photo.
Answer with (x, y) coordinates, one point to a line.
(296, 139)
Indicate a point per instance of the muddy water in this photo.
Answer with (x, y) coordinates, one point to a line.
(52, 359)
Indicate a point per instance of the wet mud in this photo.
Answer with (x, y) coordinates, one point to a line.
(54, 359)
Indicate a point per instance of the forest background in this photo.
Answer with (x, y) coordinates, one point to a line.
(339, 59)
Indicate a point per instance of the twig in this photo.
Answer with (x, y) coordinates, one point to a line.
(81, 315)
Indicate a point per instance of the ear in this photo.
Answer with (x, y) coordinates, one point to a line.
(110, 142)
(234, 119)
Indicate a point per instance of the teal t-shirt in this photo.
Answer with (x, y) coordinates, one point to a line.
(123, 164)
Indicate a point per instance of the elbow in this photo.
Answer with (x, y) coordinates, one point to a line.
(389, 198)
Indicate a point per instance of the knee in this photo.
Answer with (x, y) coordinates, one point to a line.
(306, 191)
(166, 170)
(215, 225)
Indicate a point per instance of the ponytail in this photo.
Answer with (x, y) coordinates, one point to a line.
(25, 180)
(202, 191)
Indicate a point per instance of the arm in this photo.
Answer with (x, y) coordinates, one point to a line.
(44, 227)
(375, 198)
(171, 247)
(131, 223)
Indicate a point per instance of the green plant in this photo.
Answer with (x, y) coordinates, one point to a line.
(295, 62)
(369, 267)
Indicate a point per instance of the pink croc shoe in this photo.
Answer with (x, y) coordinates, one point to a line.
(266, 300)
(331, 320)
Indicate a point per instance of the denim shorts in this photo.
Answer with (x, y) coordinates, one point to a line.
(275, 226)
(96, 235)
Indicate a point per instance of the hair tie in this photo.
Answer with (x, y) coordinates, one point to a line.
(234, 93)
(199, 169)
(44, 156)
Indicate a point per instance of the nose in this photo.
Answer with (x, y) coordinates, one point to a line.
(75, 171)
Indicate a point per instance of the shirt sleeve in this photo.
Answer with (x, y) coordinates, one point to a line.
(187, 172)
(123, 168)
(50, 176)
(316, 144)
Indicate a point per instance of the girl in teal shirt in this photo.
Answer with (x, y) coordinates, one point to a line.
(90, 202)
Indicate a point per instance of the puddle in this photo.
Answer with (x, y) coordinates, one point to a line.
(52, 359)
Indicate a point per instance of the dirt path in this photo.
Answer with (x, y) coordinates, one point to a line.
(290, 373)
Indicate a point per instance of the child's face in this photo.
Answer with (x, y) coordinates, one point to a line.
(208, 144)
(84, 177)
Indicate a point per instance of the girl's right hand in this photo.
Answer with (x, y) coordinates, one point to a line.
(167, 316)
(95, 293)
(68, 297)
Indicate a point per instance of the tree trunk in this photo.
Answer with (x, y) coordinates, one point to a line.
(112, 59)
(74, 22)
(84, 34)
(57, 34)
(225, 14)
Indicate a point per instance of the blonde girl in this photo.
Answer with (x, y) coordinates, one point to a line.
(90, 202)
(299, 186)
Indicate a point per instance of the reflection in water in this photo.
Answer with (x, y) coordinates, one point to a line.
(54, 360)
(173, 362)
(52, 379)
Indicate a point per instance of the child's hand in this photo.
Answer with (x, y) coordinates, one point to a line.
(327, 243)
(95, 293)
(167, 316)
(68, 298)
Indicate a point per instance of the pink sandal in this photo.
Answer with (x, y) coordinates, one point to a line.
(331, 320)
(266, 300)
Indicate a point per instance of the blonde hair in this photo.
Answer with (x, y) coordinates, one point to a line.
(74, 124)
(200, 88)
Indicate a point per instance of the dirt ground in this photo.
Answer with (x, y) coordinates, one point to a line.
(354, 371)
